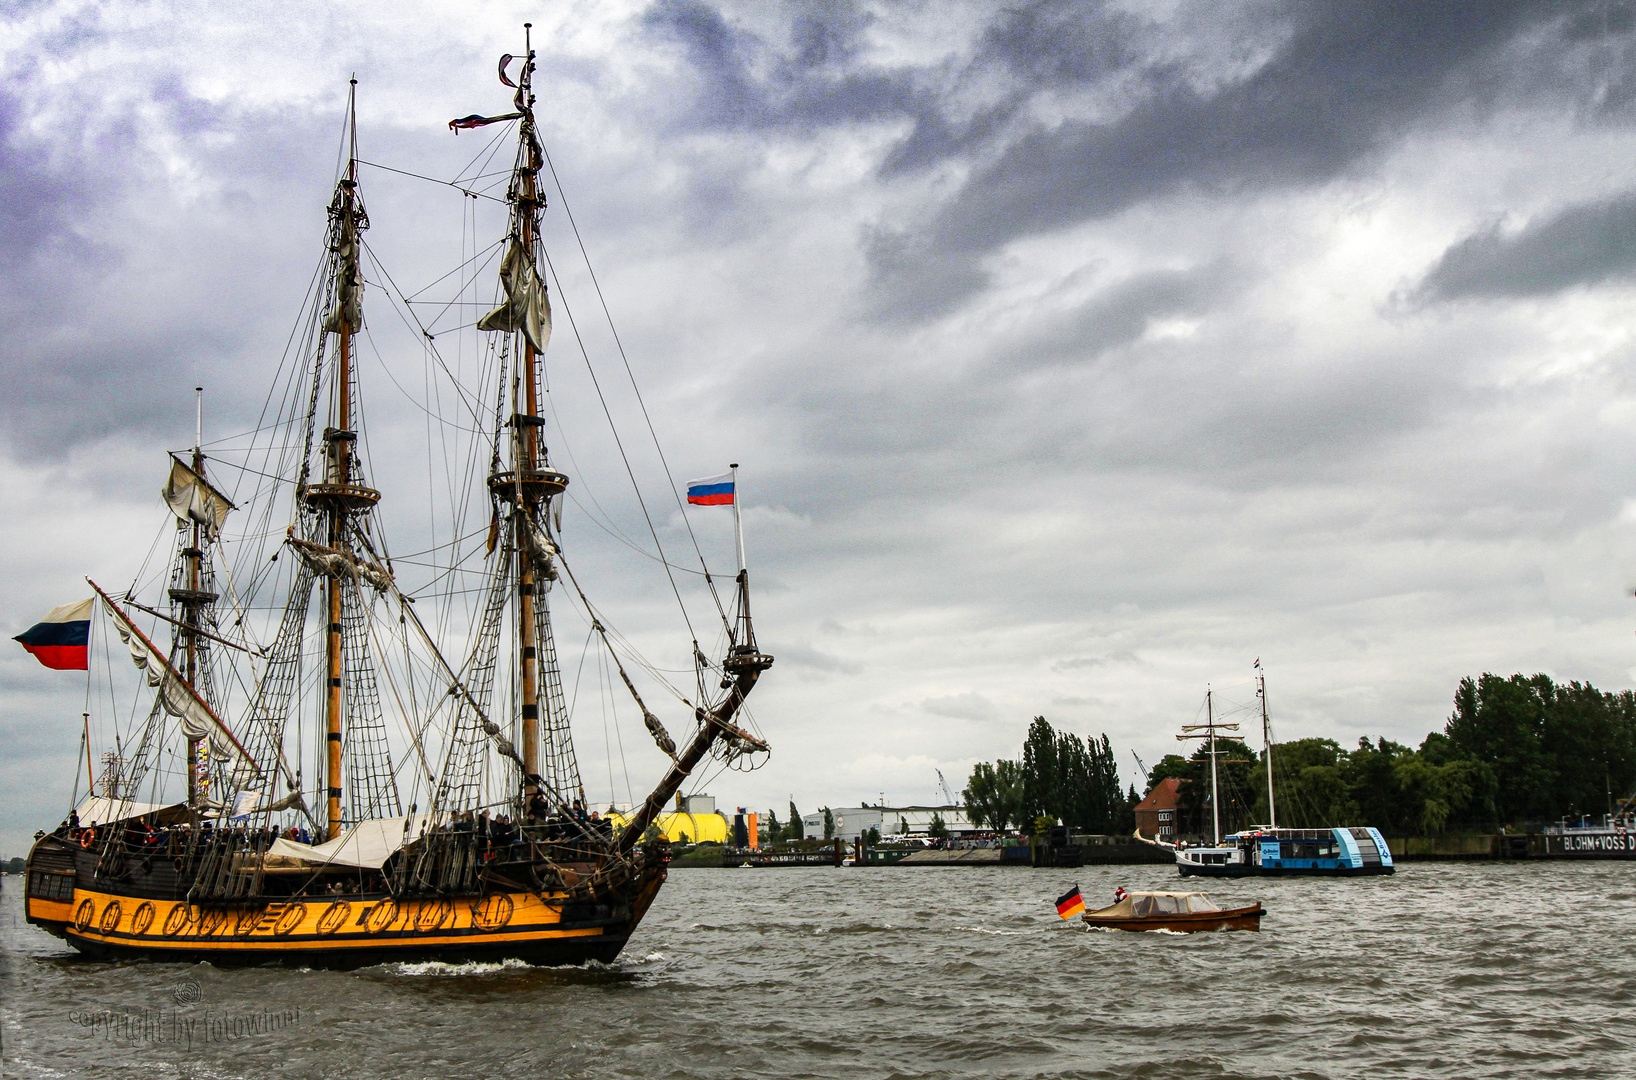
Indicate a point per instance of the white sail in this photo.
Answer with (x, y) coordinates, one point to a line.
(526, 307)
(191, 498)
(178, 698)
(348, 303)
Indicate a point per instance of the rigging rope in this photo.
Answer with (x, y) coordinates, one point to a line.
(669, 478)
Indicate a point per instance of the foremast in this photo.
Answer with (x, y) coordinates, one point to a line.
(523, 482)
(529, 485)
(527, 489)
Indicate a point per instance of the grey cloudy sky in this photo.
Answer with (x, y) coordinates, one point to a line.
(1077, 354)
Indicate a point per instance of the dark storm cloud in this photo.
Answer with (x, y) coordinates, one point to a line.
(40, 197)
(745, 82)
(110, 314)
(1588, 244)
(1340, 82)
(1350, 78)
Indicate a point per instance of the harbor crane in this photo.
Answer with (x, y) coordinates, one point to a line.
(948, 796)
(1139, 764)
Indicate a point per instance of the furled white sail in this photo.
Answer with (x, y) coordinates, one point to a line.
(191, 498)
(178, 698)
(526, 307)
(348, 304)
(336, 563)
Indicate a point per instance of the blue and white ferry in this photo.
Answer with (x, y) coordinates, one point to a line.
(1269, 852)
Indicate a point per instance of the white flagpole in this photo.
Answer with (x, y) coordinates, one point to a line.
(738, 522)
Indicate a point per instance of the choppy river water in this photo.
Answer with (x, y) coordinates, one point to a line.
(1475, 970)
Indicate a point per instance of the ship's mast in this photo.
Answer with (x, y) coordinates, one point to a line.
(1266, 741)
(528, 483)
(190, 597)
(190, 608)
(1210, 727)
(1215, 786)
(338, 497)
(525, 444)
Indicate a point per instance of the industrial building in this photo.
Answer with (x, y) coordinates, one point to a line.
(853, 821)
(695, 818)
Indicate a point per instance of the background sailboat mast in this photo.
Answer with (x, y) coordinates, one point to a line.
(525, 446)
(1266, 741)
(1215, 787)
(1209, 727)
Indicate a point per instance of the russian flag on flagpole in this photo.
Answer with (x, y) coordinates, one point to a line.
(61, 640)
(711, 490)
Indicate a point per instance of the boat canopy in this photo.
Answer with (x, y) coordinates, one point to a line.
(96, 810)
(367, 844)
(1142, 904)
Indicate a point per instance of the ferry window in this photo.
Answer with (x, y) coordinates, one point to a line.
(1142, 905)
(1201, 903)
(1166, 905)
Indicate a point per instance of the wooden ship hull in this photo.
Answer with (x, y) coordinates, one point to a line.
(149, 917)
(1244, 918)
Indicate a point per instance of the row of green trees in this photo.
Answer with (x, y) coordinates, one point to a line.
(1516, 751)
(1059, 775)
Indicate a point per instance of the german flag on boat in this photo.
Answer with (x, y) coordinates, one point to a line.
(61, 639)
(1071, 903)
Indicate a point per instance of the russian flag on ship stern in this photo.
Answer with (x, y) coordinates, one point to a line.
(711, 490)
(61, 639)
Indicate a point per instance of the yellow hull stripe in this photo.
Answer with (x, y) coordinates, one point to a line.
(315, 923)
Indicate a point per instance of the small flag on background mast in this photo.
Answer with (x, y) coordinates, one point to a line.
(1070, 903)
(711, 490)
(61, 639)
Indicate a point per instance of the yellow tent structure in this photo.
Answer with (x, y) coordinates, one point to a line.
(699, 828)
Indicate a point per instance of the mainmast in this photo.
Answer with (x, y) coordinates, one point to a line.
(339, 497)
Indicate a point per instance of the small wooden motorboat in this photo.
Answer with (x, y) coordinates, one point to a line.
(1180, 912)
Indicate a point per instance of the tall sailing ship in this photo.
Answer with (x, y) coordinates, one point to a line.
(321, 821)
